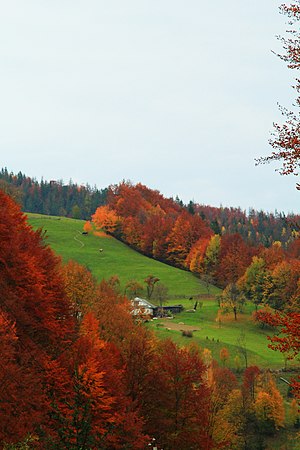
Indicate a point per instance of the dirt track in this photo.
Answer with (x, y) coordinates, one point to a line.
(178, 326)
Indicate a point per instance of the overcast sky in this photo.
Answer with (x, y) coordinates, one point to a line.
(178, 95)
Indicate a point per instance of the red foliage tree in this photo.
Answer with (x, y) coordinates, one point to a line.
(287, 339)
(294, 249)
(127, 200)
(155, 231)
(176, 399)
(138, 353)
(286, 141)
(249, 382)
(34, 301)
(154, 225)
(234, 257)
(31, 279)
(187, 230)
(273, 255)
(21, 394)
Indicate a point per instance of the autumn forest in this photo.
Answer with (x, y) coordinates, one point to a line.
(84, 366)
(80, 371)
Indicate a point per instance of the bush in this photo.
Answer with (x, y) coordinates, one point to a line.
(187, 333)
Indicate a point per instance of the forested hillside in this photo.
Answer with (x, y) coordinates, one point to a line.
(80, 371)
(94, 354)
(80, 202)
(163, 230)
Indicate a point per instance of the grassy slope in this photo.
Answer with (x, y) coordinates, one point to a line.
(116, 257)
(119, 259)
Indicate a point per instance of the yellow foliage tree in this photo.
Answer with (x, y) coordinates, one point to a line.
(269, 407)
(294, 412)
(224, 355)
(230, 422)
(207, 357)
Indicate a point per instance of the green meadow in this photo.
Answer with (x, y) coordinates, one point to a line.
(115, 258)
(238, 336)
(65, 238)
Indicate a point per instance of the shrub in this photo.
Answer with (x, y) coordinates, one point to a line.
(187, 333)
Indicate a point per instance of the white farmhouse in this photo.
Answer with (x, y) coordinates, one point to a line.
(143, 307)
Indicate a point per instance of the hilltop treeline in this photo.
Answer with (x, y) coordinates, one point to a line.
(218, 244)
(256, 227)
(80, 202)
(52, 197)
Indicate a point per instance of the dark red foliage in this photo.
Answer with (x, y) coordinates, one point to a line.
(90, 406)
(287, 339)
(154, 225)
(176, 399)
(35, 326)
(30, 278)
(250, 377)
(22, 401)
(224, 382)
(235, 256)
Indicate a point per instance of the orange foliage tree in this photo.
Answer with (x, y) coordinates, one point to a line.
(88, 227)
(113, 311)
(224, 355)
(105, 219)
(195, 259)
(80, 287)
(268, 404)
(92, 407)
(222, 382)
(187, 230)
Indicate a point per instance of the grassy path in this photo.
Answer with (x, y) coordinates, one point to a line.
(79, 241)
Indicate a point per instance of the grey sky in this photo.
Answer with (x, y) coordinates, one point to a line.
(179, 95)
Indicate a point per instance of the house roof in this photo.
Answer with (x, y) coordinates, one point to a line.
(145, 302)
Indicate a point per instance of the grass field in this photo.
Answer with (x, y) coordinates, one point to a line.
(64, 236)
(214, 335)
